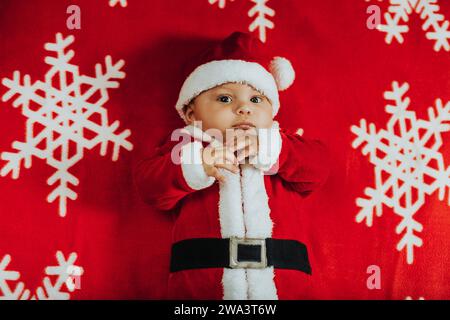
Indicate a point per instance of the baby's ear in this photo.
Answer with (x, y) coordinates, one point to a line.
(188, 111)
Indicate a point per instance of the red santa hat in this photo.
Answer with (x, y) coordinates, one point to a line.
(240, 58)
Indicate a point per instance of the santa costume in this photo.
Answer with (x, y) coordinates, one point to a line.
(244, 238)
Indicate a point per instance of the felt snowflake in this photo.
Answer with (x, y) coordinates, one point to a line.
(220, 3)
(59, 282)
(65, 117)
(261, 14)
(113, 3)
(408, 164)
(434, 22)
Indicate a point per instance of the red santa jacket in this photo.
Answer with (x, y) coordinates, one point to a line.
(248, 205)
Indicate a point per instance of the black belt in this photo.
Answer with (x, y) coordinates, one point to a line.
(239, 253)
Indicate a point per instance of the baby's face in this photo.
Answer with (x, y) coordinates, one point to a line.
(231, 105)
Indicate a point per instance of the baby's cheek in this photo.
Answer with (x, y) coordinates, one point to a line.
(264, 120)
(224, 119)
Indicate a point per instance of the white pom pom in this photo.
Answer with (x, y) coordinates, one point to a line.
(283, 72)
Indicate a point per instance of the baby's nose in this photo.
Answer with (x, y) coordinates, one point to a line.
(244, 110)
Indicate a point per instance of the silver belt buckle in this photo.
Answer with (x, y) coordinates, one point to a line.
(234, 263)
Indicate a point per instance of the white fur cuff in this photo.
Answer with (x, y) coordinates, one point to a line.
(269, 141)
(192, 167)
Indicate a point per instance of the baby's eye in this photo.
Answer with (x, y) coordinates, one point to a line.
(224, 99)
(256, 99)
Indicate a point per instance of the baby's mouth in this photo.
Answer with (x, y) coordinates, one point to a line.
(244, 126)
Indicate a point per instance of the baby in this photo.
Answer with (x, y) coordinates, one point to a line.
(239, 238)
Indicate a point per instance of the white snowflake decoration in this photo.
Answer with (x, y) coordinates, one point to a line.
(406, 159)
(261, 13)
(221, 3)
(59, 289)
(64, 112)
(113, 3)
(433, 21)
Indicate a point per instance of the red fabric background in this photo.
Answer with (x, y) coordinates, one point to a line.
(342, 67)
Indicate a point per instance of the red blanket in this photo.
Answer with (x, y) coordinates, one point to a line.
(89, 87)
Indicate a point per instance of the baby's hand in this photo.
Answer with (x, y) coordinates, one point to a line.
(244, 143)
(219, 157)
